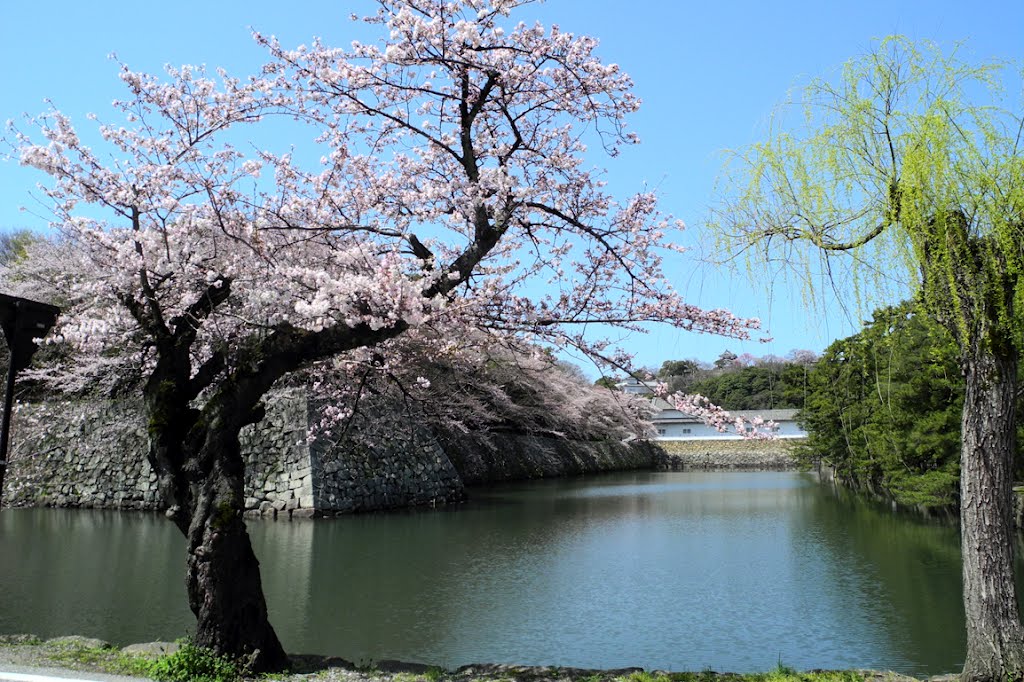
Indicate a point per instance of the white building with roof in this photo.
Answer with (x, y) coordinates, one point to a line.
(634, 386)
(671, 424)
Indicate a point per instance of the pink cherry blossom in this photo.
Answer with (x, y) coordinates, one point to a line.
(452, 199)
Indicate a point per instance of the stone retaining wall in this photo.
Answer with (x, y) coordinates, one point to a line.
(393, 463)
(278, 470)
(93, 454)
(66, 454)
(727, 454)
(491, 457)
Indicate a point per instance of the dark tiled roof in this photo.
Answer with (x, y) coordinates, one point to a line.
(767, 415)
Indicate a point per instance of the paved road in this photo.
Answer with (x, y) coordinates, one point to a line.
(20, 673)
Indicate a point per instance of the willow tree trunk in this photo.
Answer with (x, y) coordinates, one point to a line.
(995, 638)
(223, 576)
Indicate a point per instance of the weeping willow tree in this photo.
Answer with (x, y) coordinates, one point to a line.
(908, 165)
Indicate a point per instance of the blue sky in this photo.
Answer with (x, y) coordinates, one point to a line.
(709, 75)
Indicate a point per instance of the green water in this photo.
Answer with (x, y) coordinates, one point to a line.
(680, 570)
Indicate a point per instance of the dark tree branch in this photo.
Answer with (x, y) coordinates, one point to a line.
(205, 375)
(420, 251)
(186, 325)
(156, 324)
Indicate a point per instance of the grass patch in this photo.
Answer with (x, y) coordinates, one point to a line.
(131, 665)
(80, 655)
(191, 663)
(108, 659)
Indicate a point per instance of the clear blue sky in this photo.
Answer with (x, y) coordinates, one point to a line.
(709, 74)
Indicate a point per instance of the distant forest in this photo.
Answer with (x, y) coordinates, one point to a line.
(882, 407)
(740, 382)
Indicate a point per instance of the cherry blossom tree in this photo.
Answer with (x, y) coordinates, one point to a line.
(453, 190)
(479, 383)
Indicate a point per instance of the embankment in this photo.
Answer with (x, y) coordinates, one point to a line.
(62, 656)
(827, 475)
(92, 454)
(482, 458)
(742, 454)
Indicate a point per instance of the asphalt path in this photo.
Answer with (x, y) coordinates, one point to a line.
(21, 673)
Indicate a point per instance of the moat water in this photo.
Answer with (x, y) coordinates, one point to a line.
(670, 570)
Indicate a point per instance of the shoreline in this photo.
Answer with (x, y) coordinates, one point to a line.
(83, 654)
(547, 463)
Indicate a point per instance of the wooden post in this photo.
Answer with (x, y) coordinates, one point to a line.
(22, 321)
(5, 427)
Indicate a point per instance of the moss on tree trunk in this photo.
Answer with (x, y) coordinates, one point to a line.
(223, 578)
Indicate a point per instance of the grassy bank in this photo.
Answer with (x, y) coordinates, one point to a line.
(185, 663)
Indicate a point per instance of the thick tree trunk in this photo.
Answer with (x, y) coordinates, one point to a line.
(169, 418)
(223, 576)
(197, 457)
(995, 638)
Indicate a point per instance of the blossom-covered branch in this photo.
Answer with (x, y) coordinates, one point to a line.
(449, 186)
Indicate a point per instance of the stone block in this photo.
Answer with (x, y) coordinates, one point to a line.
(152, 650)
(278, 459)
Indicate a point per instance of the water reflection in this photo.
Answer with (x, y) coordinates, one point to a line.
(114, 575)
(670, 570)
(909, 566)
